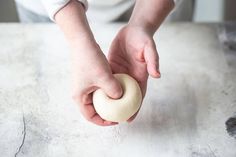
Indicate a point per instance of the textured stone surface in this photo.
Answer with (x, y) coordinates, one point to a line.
(183, 114)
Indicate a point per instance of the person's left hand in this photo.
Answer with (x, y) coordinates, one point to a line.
(133, 51)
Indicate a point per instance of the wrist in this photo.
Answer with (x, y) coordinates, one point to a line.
(146, 27)
(84, 46)
(73, 22)
(155, 17)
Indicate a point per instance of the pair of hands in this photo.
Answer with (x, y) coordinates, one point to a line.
(133, 52)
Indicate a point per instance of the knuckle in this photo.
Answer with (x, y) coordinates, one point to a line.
(105, 78)
(100, 72)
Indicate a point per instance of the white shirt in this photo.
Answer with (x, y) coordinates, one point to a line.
(99, 10)
(104, 10)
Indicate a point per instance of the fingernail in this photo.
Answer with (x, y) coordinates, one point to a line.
(129, 121)
(107, 122)
(158, 74)
(110, 123)
(114, 123)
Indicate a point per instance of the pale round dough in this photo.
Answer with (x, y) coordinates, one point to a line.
(119, 110)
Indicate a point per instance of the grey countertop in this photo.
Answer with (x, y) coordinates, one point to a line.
(183, 114)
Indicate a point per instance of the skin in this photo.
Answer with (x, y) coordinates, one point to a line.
(133, 51)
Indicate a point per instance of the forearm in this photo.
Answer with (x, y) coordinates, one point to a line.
(73, 22)
(150, 14)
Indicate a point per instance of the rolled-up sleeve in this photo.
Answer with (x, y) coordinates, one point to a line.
(53, 6)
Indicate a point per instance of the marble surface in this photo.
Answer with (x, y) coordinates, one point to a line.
(183, 114)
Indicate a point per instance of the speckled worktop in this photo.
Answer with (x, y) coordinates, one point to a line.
(183, 114)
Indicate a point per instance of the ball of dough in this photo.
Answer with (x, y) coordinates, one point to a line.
(119, 110)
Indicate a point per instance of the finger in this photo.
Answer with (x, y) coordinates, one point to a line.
(96, 119)
(90, 114)
(87, 108)
(111, 86)
(152, 60)
(143, 87)
(140, 56)
(83, 96)
(88, 111)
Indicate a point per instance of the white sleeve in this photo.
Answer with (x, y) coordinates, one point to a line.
(53, 6)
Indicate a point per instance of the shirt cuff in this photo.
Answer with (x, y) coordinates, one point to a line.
(53, 6)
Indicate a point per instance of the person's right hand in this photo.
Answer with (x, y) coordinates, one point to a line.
(90, 71)
(90, 68)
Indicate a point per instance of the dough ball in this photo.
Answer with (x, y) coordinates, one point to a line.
(119, 110)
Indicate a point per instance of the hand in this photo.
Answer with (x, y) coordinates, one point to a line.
(91, 71)
(133, 52)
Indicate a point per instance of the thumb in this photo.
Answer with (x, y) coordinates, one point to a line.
(152, 60)
(112, 87)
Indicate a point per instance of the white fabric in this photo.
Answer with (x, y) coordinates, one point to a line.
(104, 3)
(107, 13)
(104, 10)
(47, 7)
(183, 11)
(53, 6)
(99, 10)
